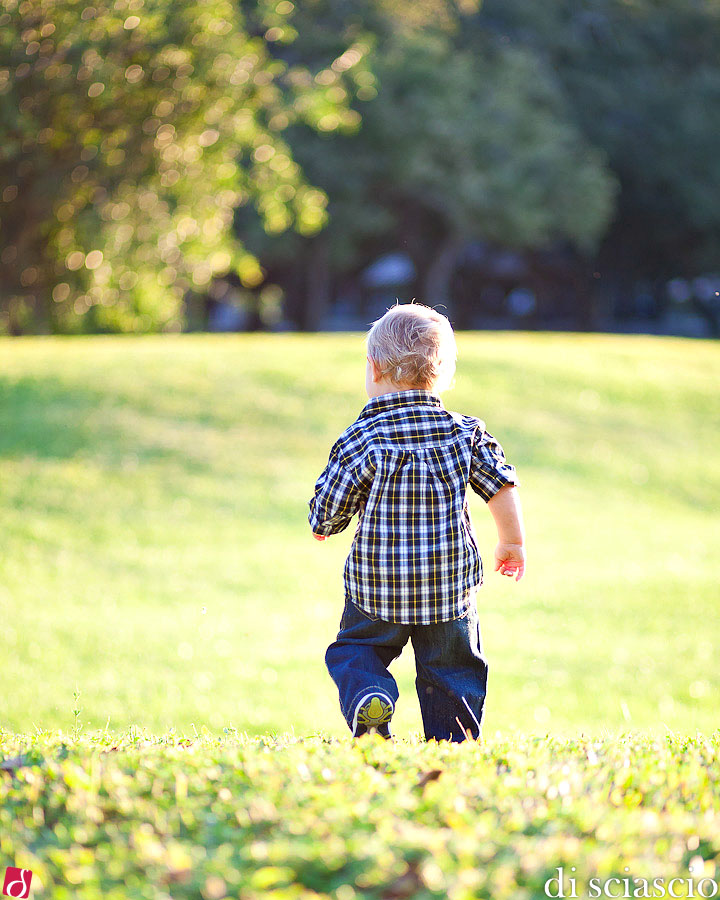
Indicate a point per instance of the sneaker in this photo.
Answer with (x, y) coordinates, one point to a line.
(372, 715)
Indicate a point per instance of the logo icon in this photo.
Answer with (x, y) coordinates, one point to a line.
(17, 882)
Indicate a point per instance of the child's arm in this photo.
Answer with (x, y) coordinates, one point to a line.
(507, 513)
(337, 497)
(495, 480)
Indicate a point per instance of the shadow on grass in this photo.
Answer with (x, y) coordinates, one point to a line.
(48, 420)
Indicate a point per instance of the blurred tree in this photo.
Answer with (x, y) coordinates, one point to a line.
(458, 141)
(130, 132)
(139, 140)
(643, 82)
(486, 150)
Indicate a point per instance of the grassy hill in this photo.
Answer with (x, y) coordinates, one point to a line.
(155, 553)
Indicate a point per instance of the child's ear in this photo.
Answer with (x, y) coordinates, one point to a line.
(376, 371)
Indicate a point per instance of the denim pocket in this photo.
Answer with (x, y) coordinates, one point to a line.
(363, 613)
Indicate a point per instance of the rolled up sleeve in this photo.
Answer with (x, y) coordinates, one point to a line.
(489, 470)
(336, 499)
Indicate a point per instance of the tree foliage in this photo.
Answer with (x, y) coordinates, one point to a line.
(642, 81)
(594, 123)
(131, 131)
(483, 140)
(152, 146)
(457, 143)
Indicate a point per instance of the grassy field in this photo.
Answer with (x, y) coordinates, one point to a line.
(134, 818)
(155, 553)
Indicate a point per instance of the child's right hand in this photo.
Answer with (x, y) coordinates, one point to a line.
(510, 560)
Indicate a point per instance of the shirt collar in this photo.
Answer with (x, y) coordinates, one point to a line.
(398, 399)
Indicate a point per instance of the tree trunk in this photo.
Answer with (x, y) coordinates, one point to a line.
(440, 271)
(318, 296)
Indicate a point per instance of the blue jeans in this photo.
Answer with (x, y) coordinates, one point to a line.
(451, 671)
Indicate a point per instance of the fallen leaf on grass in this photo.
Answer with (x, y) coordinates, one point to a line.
(432, 775)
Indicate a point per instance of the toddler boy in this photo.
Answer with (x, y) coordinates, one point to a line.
(414, 568)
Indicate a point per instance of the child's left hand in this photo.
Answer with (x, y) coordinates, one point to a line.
(510, 560)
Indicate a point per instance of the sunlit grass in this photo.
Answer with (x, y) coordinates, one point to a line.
(155, 552)
(147, 815)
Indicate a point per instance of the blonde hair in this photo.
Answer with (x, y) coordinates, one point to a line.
(414, 345)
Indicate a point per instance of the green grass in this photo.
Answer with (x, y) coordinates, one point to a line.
(138, 816)
(157, 572)
(155, 553)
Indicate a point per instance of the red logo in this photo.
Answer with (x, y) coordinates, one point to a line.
(17, 882)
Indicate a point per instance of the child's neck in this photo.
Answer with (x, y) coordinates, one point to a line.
(385, 386)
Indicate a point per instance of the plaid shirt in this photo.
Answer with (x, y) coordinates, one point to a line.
(404, 466)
